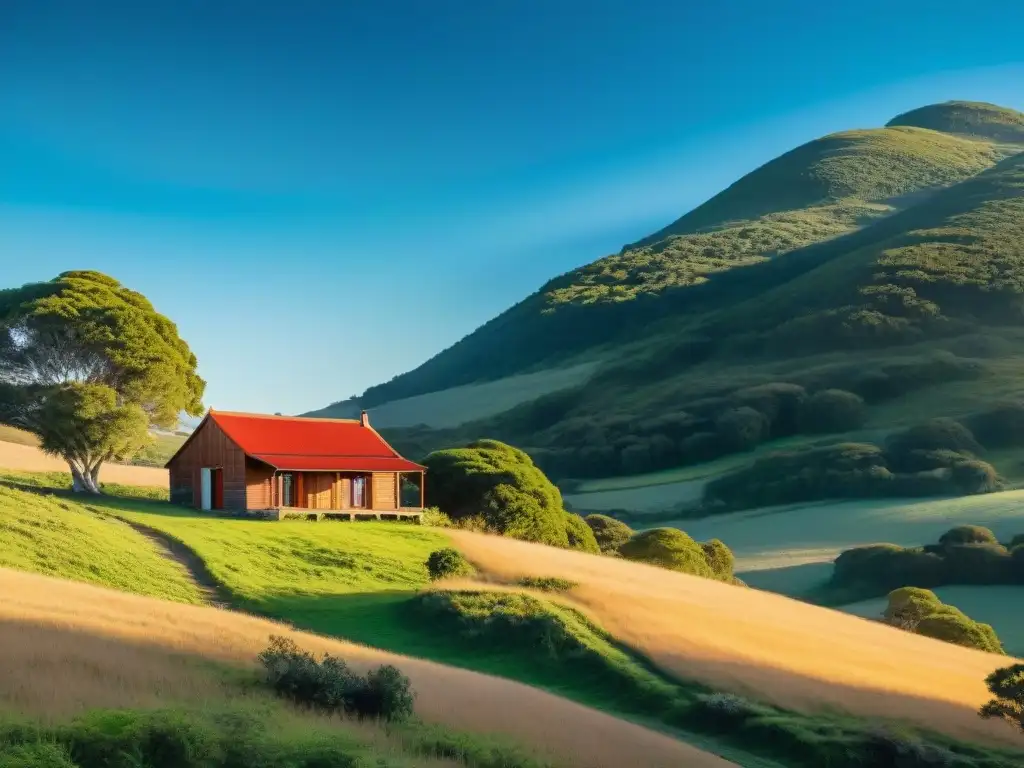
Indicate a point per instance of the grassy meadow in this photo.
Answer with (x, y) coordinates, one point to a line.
(632, 640)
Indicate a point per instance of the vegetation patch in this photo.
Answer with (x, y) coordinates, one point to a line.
(58, 536)
(253, 736)
(448, 563)
(609, 533)
(330, 686)
(921, 611)
(548, 583)
(500, 486)
(672, 549)
(967, 554)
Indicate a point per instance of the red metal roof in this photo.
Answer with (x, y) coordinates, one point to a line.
(328, 445)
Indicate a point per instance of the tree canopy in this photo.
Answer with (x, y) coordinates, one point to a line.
(88, 365)
(501, 485)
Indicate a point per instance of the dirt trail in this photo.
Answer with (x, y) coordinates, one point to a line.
(27, 458)
(204, 581)
(71, 646)
(764, 645)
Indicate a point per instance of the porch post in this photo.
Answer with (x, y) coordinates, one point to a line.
(422, 489)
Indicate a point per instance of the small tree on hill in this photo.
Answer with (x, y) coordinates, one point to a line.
(1007, 686)
(88, 365)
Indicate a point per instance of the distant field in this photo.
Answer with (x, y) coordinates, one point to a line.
(672, 489)
(30, 459)
(995, 605)
(451, 407)
(790, 549)
(18, 436)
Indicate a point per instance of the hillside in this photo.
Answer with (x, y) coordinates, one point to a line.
(887, 262)
(823, 189)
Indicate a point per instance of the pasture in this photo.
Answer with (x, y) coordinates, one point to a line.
(73, 647)
(790, 653)
(28, 458)
(458, 405)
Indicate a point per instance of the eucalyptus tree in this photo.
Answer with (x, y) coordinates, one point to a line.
(89, 366)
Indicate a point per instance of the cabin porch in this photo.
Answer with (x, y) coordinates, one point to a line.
(344, 495)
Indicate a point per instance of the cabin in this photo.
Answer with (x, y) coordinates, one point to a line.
(283, 466)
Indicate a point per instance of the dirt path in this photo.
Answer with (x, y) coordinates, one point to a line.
(213, 594)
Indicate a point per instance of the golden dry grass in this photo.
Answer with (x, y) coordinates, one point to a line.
(760, 644)
(70, 646)
(27, 458)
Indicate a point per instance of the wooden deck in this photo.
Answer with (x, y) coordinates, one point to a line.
(349, 515)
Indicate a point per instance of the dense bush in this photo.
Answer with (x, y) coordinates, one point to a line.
(933, 435)
(959, 630)
(921, 611)
(784, 477)
(741, 429)
(780, 403)
(700, 447)
(503, 486)
(672, 549)
(609, 533)
(448, 563)
(35, 756)
(1001, 426)
(832, 410)
(967, 554)
(435, 518)
(1007, 688)
(968, 534)
(329, 685)
(580, 535)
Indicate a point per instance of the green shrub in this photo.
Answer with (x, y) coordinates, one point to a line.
(977, 564)
(974, 476)
(968, 534)
(609, 533)
(885, 567)
(960, 630)
(35, 756)
(548, 583)
(843, 470)
(934, 435)
(908, 605)
(668, 548)
(719, 558)
(448, 563)
(580, 535)
(1016, 541)
(1001, 426)
(780, 403)
(1007, 688)
(435, 518)
(331, 686)
(832, 410)
(741, 429)
(503, 486)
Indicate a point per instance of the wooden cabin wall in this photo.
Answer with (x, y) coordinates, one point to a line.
(384, 491)
(208, 447)
(258, 485)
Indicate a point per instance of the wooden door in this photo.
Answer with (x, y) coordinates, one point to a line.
(218, 488)
(318, 488)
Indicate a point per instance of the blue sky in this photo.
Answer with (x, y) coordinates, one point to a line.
(324, 194)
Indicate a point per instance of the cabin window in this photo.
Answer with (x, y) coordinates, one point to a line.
(287, 490)
(359, 491)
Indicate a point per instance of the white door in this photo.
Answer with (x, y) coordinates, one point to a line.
(206, 487)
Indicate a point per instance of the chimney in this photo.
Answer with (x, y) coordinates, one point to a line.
(364, 419)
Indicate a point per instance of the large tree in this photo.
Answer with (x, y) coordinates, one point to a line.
(88, 366)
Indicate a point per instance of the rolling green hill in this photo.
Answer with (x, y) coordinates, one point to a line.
(894, 253)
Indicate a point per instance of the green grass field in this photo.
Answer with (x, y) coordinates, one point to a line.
(59, 537)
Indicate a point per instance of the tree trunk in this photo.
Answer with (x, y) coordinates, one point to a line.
(83, 478)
